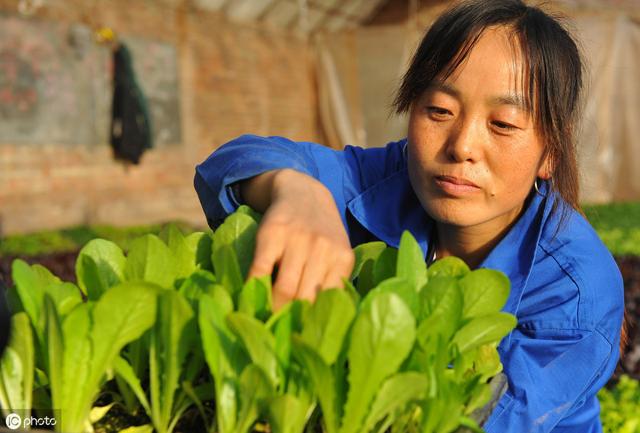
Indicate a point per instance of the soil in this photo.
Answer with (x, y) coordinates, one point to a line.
(63, 265)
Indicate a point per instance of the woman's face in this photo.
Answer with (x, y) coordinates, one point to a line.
(473, 150)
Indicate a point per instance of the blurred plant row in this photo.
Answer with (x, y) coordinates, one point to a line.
(620, 407)
(617, 224)
(72, 239)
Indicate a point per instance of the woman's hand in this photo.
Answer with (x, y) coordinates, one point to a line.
(301, 232)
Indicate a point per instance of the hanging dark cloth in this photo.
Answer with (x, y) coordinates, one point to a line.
(130, 123)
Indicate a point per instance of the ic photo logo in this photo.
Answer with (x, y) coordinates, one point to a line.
(13, 421)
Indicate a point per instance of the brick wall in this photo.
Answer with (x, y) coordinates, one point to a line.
(233, 79)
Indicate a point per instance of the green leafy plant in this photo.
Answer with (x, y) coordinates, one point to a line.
(619, 406)
(76, 342)
(617, 226)
(174, 323)
(17, 367)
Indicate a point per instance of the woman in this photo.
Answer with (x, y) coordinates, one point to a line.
(487, 173)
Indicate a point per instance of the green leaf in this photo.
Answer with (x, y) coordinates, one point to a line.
(487, 362)
(227, 269)
(485, 291)
(287, 414)
(98, 412)
(123, 369)
(396, 392)
(255, 298)
(223, 354)
(324, 383)
(246, 210)
(217, 339)
(201, 243)
(299, 385)
(326, 323)
(351, 291)
(238, 232)
(288, 322)
(442, 311)
(479, 395)
(483, 330)
(401, 287)
(448, 267)
(197, 394)
(172, 337)
(255, 388)
(12, 373)
(99, 266)
(197, 284)
(137, 354)
(411, 264)
(147, 428)
(75, 363)
(184, 253)
(30, 282)
(121, 316)
(470, 424)
(365, 257)
(55, 356)
(258, 342)
(66, 296)
(385, 266)
(152, 261)
(17, 366)
(381, 339)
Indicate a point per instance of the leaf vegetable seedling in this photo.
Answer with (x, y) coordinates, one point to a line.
(174, 326)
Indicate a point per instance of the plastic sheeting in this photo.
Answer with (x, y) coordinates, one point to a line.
(338, 96)
(609, 143)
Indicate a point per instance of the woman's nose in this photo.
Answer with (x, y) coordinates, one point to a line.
(464, 142)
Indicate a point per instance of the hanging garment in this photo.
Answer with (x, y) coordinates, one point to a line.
(131, 123)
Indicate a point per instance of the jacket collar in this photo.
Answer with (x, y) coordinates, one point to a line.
(390, 207)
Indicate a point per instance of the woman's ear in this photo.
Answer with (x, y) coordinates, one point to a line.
(546, 167)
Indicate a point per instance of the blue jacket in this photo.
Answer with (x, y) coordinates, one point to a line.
(566, 290)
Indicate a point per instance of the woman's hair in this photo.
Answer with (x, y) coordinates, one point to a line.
(552, 74)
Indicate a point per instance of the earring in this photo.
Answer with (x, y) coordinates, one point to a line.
(535, 186)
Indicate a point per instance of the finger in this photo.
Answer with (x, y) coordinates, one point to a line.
(289, 273)
(340, 270)
(269, 250)
(313, 274)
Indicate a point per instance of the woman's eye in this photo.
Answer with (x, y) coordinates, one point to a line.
(503, 126)
(438, 112)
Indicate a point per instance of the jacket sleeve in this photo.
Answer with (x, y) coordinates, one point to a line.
(345, 173)
(554, 375)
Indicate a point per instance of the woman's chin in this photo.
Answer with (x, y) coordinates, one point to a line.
(456, 214)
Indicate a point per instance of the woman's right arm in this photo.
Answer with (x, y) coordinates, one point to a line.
(302, 189)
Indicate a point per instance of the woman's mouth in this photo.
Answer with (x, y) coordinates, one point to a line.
(453, 185)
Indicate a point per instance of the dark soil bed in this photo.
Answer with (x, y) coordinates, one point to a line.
(63, 265)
